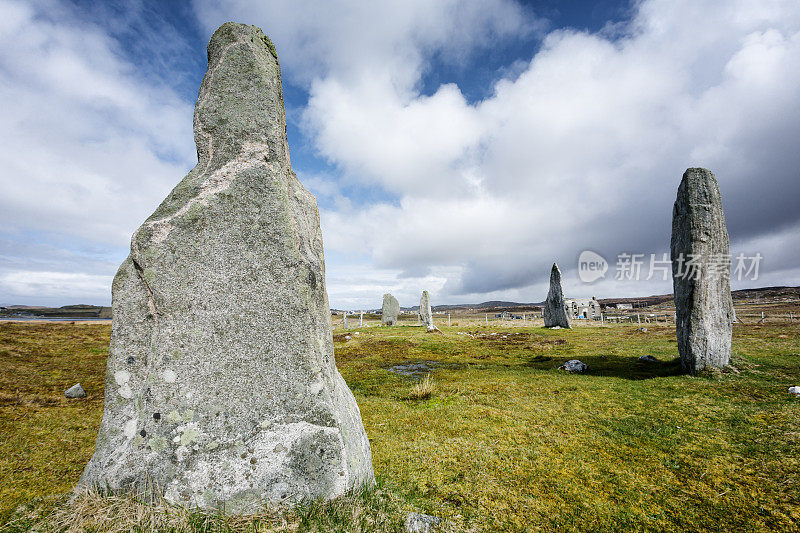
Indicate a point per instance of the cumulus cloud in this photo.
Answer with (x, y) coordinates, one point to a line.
(88, 146)
(578, 145)
(582, 149)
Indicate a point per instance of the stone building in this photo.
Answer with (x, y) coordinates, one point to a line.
(583, 308)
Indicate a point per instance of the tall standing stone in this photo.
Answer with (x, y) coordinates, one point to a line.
(390, 310)
(555, 312)
(425, 312)
(701, 273)
(221, 386)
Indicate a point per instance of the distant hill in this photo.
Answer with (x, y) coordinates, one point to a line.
(67, 311)
(95, 311)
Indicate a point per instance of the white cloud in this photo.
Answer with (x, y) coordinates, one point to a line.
(581, 147)
(87, 147)
(582, 150)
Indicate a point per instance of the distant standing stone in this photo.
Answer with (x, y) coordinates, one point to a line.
(425, 312)
(702, 289)
(421, 523)
(391, 308)
(221, 386)
(555, 312)
(76, 391)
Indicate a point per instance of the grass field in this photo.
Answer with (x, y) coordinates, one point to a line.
(498, 439)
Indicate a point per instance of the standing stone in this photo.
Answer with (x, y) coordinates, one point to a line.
(425, 312)
(391, 308)
(701, 273)
(221, 387)
(555, 311)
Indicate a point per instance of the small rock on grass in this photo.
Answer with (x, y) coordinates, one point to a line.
(421, 523)
(648, 359)
(574, 366)
(794, 390)
(76, 391)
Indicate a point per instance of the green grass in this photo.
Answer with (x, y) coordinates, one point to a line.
(504, 441)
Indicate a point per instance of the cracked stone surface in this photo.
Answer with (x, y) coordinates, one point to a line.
(555, 312)
(703, 304)
(390, 310)
(221, 385)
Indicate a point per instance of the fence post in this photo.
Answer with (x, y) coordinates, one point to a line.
(523, 320)
(361, 318)
(345, 320)
(602, 320)
(487, 319)
(448, 320)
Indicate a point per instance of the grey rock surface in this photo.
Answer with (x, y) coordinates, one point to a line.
(574, 366)
(703, 302)
(76, 391)
(555, 313)
(221, 385)
(425, 312)
(421, 523)
(648, 359)
(390, 310)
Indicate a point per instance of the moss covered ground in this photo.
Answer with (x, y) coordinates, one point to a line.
(501, 440)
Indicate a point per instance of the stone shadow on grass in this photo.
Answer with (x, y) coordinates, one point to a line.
(631, 367)
(613, 366)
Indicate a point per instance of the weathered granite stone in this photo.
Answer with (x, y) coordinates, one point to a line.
(76, 391)
(574, 366)
(421, 523)
(701, 273)
(221, 386)
(555, 312)
(391, 308)
(425, 312)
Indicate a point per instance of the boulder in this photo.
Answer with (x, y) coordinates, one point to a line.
(700, 253)
(555, 311)
(574, 366)
(391, 308)
(221, 386)
(421, 523)
(76, 391)
(648, 359)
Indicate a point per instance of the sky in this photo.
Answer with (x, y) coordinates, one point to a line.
(456, 146)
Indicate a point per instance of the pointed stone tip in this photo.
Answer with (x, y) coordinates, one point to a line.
(233, 32)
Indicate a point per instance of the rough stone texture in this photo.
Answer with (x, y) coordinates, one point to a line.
(703, 303)
(575, 366)
(555, 313)
(391, 308)
(221, 386)
(76, 391)
(421, 523)
(425, 312)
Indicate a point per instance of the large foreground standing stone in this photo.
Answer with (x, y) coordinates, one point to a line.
(390, 310)
(221, 387)
(555, 313)
(701, 273)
